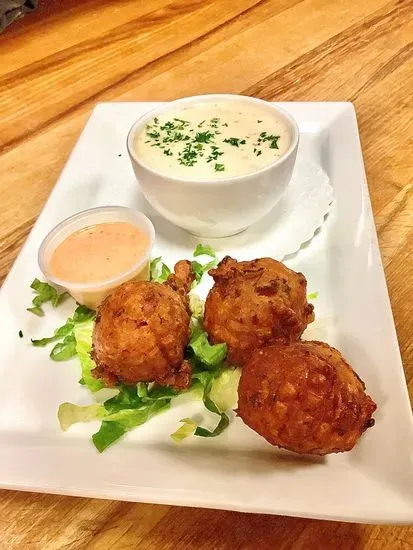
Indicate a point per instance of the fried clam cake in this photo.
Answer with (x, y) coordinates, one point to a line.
(304, 397)
(141, 332)
(255, 303)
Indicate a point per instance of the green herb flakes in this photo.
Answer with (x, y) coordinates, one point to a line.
(236, 142)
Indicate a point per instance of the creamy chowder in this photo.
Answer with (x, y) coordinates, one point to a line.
(209, 140)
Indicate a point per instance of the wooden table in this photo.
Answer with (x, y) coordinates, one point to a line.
(57, 63)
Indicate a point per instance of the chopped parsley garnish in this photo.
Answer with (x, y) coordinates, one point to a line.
(177, 136)
(184, 122)
(264, 137)
(182, 139)
(236, 142)
(168, 126)
(214, 154)
(188, 155)
(153, 134)
(204, 137)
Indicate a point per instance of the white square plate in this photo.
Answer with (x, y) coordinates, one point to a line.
(238, 470)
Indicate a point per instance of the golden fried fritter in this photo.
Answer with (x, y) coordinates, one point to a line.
(141, 332)
(304, 397)
(254, 304)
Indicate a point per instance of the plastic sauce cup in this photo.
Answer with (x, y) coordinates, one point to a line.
(93, 293)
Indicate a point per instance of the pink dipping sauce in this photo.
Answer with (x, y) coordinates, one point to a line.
(98, 252)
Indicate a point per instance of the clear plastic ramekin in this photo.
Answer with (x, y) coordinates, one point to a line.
(91, 294)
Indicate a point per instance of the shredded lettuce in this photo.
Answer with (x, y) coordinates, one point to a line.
(107, 435)
(45, 293)
(119, 414)
(198, 268)
(196, 305)
(65, 335)
(159, 271)
(83, 341)
(116, 424)
(155, 393)
(204, 250)
(211, 406)
(142, 390)
(83, 313)
(69, 414)
(187, 429)
(133, 405)
(206, 379)
(64, 350)
(209, 355)
(59, 333)
(127, 398)
(219, 428)
(224, 389)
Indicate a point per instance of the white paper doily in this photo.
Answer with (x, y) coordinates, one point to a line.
(291, 223)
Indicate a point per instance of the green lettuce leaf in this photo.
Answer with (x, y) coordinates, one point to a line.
(200, 269)
(224, 389)
(209, 355)
(220, 427)
(161, 392)
(69, 414)
(204, 250)
(187, 429)
(119, 414)
(225, 392)
(127, 398)
(83, 342)
(142, 389)
(59, 333)
(108, 433)
(82, 314)
(211, 406)
(115, 425)
(159, 271)
(312, 296)
(66, 348)
(196, 305)
(45, 293)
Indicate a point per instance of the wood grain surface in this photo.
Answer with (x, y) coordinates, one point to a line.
(58, 62)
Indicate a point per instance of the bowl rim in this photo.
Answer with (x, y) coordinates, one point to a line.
(102, 283)
(137, 125)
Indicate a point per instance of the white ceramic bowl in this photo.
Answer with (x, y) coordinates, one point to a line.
(215, 208)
